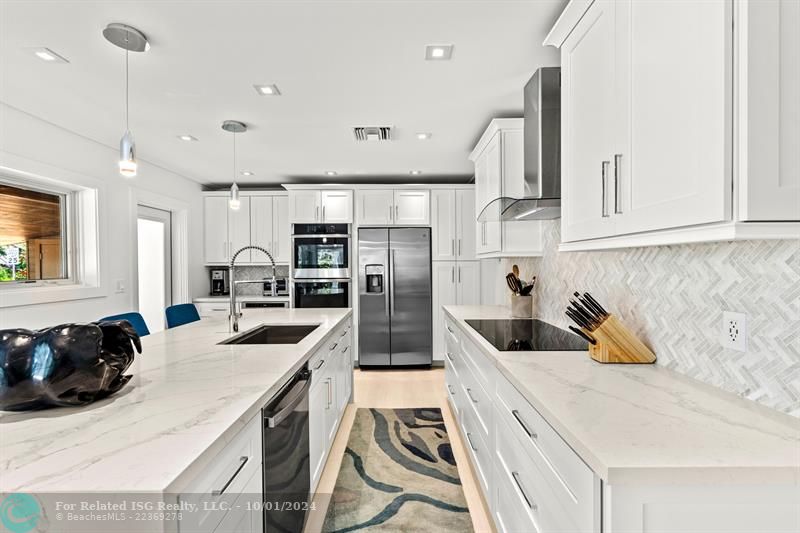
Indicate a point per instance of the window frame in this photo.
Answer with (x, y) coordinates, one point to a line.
(67, 223)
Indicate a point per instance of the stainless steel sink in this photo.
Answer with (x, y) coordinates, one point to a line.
(266, 334)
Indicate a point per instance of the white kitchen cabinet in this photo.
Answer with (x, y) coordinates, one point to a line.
(711, 155)
(281, 230)
(375, 207)
(269, 227)
(453, 224)
(215, 225)
(239, 230)
(499, 172)
(465, 224)
(326, 206)
(245, 514)
(412, 208)
(386, 207)
(454, 283)
(317, 439)
(587, 124)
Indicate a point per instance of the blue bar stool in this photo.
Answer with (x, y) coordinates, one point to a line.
(136, 320)
(178, 315)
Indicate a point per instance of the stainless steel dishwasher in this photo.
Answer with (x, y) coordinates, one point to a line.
(287, 478)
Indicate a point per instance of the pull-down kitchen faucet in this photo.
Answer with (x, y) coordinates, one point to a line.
(234, 316)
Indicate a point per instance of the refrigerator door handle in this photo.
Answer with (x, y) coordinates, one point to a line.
(391, 282)
(385, 292)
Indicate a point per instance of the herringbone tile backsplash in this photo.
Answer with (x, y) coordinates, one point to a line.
(674, 296)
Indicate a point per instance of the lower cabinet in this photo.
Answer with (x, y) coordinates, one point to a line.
(331, 388)
(530, 478)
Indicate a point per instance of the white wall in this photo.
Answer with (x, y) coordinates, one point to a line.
(29, 141)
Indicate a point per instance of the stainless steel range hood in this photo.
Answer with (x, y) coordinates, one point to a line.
(542, 133)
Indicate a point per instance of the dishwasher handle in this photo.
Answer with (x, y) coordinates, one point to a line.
(297, 394)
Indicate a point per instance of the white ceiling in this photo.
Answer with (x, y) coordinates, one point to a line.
(338, 64)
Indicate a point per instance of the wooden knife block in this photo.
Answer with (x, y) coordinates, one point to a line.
(616, 344)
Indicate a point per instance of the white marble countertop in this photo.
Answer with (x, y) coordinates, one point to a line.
(241, 298)
(645, 423)
(188, 397)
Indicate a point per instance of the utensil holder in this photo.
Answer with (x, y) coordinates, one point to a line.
(521, 306)
(616, 344)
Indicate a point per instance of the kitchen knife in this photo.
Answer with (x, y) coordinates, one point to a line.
(600, 307)
(586, 337)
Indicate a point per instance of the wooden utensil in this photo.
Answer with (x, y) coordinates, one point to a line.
(515, 270)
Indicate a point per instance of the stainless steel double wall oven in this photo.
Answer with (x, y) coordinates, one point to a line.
(321, 265)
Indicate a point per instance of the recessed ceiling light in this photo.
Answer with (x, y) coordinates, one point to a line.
(331, 173)
(248, 173)
(45, 54)
(415, 172)
(187, 138)
(423, 136)
(267, 90)
(439, 52)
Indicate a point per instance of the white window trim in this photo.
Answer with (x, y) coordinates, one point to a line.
(85, 234)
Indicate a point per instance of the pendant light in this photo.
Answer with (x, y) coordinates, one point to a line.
(234, 127)
(131, 40)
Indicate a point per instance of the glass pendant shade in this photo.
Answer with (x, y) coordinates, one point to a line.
(127, 155)
(234, 202)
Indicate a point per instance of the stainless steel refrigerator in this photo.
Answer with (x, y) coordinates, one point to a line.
(394, 301)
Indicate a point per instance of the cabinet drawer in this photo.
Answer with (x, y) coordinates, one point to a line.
(571, 481)
(482, 367)
(452, 332)
(225, 478)
(208, 309)
(478, 450)
(535, 499)
(479, 402)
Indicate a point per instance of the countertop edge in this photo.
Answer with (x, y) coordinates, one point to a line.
(182, 480)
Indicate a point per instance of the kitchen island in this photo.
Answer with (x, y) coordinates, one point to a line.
(631, 447)
(188, 399)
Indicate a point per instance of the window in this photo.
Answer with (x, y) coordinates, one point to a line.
(33, 236)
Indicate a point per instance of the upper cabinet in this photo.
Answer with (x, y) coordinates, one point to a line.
(399, 207)
(453, 223)
(261, 220)
(653, 138)
(308, 206)
(499, 171)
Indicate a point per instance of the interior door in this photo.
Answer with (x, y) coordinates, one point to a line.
(375, 207)
(587, 115)
(154, 265)
(465, 224)
(444, 293)
(410, 296)
(674, 137)
(443, 223)
(374, 326)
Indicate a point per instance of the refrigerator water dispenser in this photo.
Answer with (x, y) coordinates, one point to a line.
(374, 275)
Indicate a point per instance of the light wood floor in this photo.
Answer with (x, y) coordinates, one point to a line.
(403, 388)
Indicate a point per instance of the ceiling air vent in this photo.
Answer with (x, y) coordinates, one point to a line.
(373, 133)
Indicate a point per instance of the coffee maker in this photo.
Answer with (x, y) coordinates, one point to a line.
(219, 282)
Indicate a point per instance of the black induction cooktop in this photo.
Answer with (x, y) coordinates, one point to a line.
(514, 335)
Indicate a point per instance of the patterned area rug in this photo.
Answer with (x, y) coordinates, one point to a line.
(398, 474)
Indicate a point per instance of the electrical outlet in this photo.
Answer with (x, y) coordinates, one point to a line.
(734, 331)
(120, 286)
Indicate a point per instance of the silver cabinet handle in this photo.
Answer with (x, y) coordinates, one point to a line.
(345, 349)
(617, 183)
(449, 355)
(452, 274)
(219, 492)
(530, 502)
(344, 333)
(459, 247)
(390, 212)
(323, 213)
(604, 186)
(391, 283)
(448, 329)
(531, 434)
(471, 397)
(471, 445)
(396, 212)
(328, 381)
(333, 346)
(452, 246)
(316, 214)
(459, 274)
(450, 388)
(319, 365)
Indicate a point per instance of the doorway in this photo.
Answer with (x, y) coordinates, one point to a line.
(154, 257)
